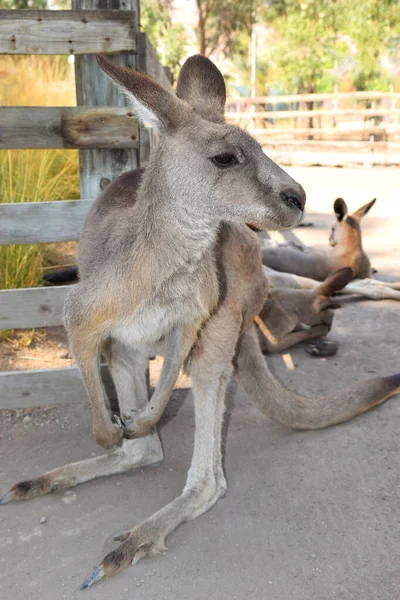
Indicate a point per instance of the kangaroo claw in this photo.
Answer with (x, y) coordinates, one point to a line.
(6, 498)
(96, 576)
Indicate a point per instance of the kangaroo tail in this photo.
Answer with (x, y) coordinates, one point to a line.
(300, 412)
(67, 275)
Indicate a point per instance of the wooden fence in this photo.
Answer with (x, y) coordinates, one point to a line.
(110, 141)
(309, 120)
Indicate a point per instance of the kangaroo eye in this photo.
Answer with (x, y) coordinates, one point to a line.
(225, 160)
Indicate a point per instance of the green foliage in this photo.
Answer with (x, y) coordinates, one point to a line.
(17, 4)
(373, 25)
(306, 44)
(168, 39)
(311, 37)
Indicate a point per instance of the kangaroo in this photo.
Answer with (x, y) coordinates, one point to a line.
(347, 250)
(290, 316)
(168, 266)
(372, 289)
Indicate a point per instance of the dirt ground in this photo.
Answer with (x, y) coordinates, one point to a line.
(308, 515)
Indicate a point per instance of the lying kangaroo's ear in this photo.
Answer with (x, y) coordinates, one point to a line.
(335, 282)
(201, 84)
(362, 211)
(151, 101)
(340, 209)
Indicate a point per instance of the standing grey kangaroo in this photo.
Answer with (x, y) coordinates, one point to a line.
(168, 266)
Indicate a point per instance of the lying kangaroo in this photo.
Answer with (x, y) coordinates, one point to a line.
(167, 265)
(290, 316)
(372, 289)
(347, 251)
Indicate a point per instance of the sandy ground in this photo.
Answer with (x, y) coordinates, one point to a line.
(308, 515)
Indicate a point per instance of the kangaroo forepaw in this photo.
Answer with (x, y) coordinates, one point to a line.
(135, 544)
(134, 427)
(110, 434)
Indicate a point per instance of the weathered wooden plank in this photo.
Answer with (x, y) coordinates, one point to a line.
(286, 114)
(377, 130)
(46, 387)
(147, 61)
(93, 88)
(67, 31)
(32, 307)
(67, 127)
(366, 95)
(42, 222)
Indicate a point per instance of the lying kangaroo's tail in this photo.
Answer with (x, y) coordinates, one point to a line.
(67, 275)
(299, 412)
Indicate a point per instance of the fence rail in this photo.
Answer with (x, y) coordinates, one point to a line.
(319, 128)
(68, 127)
(66, 31)
(299, 98)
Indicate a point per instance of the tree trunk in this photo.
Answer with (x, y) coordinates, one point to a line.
(204, 11)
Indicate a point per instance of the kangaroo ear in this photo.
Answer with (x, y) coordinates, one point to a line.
(340, 209)
(335, 282)
(151, 101)
(201, 84)
(362, 211)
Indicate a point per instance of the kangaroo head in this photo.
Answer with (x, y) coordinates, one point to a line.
(287, 310)
(348, 226)
(210, 168)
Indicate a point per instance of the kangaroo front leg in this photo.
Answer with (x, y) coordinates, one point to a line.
(210, 370)
(179, 344)
(86, 353)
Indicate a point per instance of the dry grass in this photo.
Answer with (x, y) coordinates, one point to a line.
(34, 175)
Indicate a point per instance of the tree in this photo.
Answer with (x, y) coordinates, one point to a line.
(169, 39)
(311, 36)
(221, 21)
(305, 42)
(373, 26)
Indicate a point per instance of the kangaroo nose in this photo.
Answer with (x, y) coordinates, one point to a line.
(294, 197)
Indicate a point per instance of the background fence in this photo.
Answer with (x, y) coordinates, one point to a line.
(354, 122)
(110, 141)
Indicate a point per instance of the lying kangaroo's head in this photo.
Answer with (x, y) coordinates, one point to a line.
(207, 166)
(289, 310)
(348, 225)
(347, 241)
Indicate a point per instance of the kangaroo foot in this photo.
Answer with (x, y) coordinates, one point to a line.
(135, 544)
(130, 454)
(323, 348)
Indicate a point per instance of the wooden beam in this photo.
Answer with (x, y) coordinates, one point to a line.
(293, 98)
(147, 61)
(288, 114)
(377, 130)
(46, 387)
(67, 31)
(42, 222)
(32, 307)
(65, 127)
(93, 88)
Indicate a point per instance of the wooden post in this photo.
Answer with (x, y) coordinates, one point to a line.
(99, 167)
